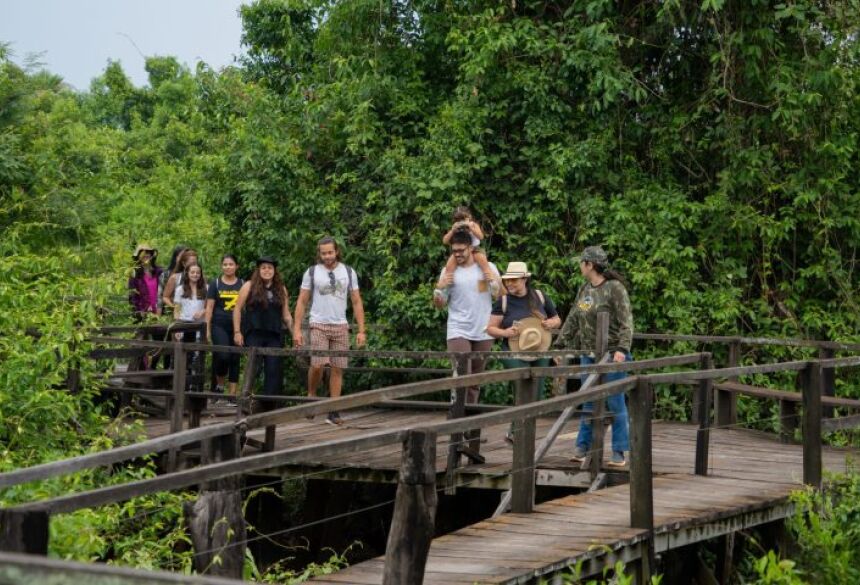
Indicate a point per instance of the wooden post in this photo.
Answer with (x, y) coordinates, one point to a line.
(24, 531)
(812, 387)
(523, 468)
(828, 380)
(178, 406)
(215, 519)
(598, 430)
(244, 402)
(725, 558)
(704, 396)
(787, 420)
(414, 519)
(727, 402)
(456, 410)
(641, 486)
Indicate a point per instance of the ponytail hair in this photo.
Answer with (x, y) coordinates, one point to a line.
(536, 307)
(611, 274)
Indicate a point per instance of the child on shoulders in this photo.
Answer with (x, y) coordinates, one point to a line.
(463, 220)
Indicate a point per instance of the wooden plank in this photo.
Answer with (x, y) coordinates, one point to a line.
(370, 440)
(788, 395)
(748, 340)
(255, 421)
(675, 377)
(840, 424)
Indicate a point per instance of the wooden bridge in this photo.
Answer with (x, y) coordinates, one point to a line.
(687, 482)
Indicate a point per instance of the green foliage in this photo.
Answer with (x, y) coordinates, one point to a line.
(771, 570)
(712, 156)
(278, 573)
(612, 575)
(827, 527)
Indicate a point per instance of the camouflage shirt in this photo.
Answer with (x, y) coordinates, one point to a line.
(580, 328)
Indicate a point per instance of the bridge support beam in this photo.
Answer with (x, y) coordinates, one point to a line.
(414, 520)
(812, 390)
(215, 520)
(704, 397)
(523, 469)
(641, 481)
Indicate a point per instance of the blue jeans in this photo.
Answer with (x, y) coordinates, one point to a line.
(511, 363)
(616, 405)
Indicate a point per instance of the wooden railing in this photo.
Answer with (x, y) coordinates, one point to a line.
(24, 528)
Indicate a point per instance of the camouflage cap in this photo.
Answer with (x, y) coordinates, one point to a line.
(595, 255)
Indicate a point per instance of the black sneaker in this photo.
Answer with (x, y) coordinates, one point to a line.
(333, 418)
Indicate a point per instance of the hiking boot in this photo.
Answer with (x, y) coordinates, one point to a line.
(579, 455)
(440, 295)
(509, 438)
(333, 418)
(494, 287)
(617, 459)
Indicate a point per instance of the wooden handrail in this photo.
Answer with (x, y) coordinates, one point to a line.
(748, 340)
(364, 442)
(355, 353)
(789, 395)
(359, 400)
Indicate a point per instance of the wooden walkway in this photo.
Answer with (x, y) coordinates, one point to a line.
(591, 527)
(751, 475)
(734, 453)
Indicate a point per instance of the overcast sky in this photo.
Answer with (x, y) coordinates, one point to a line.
(76, 38)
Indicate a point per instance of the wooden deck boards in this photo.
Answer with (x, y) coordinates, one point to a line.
(517, 547)
(750, 472)
(736, 453)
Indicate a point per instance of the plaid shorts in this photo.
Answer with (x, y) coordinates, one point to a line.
(329, 336)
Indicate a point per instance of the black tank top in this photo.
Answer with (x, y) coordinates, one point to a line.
(263, 318)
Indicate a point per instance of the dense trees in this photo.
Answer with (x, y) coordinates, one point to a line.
(710, 146)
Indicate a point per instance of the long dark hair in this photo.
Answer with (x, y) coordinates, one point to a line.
(200, 288)
(537, 308)
(611, 274)
(179, 249)
(257, 296)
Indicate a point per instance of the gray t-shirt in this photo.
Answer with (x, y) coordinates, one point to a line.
(469, 303)
(329, 294)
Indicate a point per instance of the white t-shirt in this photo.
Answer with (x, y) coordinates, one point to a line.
(330, 293)
(469, 303)
(187, 306)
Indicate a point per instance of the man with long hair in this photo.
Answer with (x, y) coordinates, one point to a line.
(326, 286)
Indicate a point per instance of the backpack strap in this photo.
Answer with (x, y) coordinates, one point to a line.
(541, 297)
(349, 272)
(504, 304)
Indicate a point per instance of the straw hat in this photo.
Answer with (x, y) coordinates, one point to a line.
(516, 270)
(532, 337)
(143, 246)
